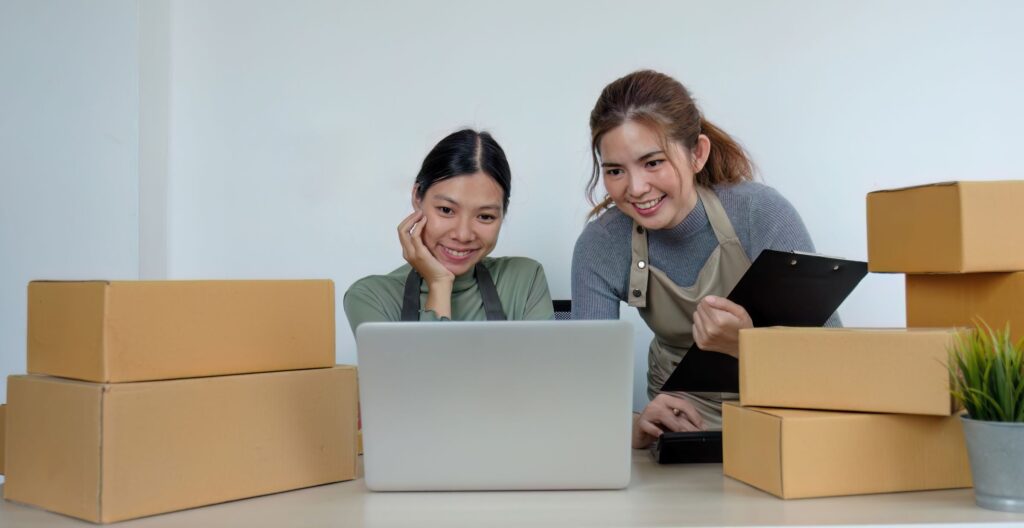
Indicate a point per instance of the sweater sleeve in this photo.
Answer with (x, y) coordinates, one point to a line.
(362, 306)
(595, 292)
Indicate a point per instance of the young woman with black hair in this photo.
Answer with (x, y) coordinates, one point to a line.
(681, 223)
(459, 200)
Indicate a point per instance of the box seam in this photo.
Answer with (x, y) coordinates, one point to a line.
(782, 467)
(961, 260)
(102, 482)
(104, 335)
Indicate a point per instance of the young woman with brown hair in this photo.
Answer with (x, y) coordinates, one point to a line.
(682, 221)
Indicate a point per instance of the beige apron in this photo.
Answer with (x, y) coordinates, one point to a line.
(668, 308)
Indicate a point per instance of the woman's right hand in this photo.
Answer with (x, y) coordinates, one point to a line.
(664, 413)
(415, 252)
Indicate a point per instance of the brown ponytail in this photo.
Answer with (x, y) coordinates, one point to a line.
(663, 104)
(727, 161)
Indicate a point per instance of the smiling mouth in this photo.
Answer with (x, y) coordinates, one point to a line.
(644, 206)
(456, 254)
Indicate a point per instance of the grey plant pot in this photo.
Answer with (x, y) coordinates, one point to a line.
(996, 451)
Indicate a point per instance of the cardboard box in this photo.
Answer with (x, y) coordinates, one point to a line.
(952, 227)
(946, 300)
(845, 369)
(150, 330)
(798, 454)
(3, 435)
(109, 452)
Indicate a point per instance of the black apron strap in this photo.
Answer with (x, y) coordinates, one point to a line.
(411, 297)
(488, 293)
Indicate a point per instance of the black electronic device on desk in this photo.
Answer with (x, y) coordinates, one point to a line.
(688, 447)
(781, 288)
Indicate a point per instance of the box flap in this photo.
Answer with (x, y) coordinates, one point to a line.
(69, 281)
(898, 189)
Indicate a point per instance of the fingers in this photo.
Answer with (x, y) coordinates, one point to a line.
(417, 236)
(692, 415)
(405, 237)
(723, 304)
(408, 222)
(649, 428)
(685, 413)
(699, 335)
(668, 413)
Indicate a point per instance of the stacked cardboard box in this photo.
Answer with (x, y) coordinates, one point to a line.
(961, 246)
(150, 397)
(849, 411)
(834, 411)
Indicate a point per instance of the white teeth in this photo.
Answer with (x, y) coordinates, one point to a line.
(457, 253)
(648, 205)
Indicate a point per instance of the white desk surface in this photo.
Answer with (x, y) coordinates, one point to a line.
(672, 495)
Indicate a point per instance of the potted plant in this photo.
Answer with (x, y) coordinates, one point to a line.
(987, 371)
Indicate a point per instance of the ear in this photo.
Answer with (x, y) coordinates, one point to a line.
(701, 152)
(416, 201)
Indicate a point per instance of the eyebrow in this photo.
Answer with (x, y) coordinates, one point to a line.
(641, 158)
(452, 201)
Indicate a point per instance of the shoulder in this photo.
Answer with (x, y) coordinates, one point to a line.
(376, 285)
(751, 194)
(512, 266)
(612, 224)
(755, 200)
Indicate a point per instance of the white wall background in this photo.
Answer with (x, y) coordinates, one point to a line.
(263, 139)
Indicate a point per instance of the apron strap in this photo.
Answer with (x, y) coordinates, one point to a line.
(717, 216)
(637, 294)
(488, 293)
(411, 297)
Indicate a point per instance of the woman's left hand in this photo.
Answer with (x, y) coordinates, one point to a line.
(717, 324)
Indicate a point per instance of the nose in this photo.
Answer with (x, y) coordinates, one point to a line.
(638, 184)
(463, 230)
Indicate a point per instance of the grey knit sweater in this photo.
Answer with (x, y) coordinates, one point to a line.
(761, 217)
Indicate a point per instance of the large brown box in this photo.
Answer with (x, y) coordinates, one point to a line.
(798, 454)
(952, 227)
(944, 300)
(149, 330)
(110, 452)
(891, 370)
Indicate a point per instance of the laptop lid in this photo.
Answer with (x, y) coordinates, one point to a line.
(519, 405)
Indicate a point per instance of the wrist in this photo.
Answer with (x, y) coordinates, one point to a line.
(440, 283)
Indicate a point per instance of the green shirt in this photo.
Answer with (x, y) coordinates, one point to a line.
(521, 284)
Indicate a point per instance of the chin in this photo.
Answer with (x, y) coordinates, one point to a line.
(461, 269)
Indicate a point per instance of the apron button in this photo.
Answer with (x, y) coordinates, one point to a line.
(636, 292)
(641, 264)
(640, 229)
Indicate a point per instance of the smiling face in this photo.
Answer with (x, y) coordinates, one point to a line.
(640, 179)
(463, 216)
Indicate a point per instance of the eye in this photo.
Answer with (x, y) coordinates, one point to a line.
(446, 211)
(487, 218)
(613, 172)
(654, 163)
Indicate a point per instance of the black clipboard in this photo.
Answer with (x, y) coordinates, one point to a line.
(779, 289)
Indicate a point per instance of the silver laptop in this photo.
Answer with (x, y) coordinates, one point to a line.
(523, 405)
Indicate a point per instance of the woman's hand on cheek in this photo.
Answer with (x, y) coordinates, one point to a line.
(415, 252)
(717, 324)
